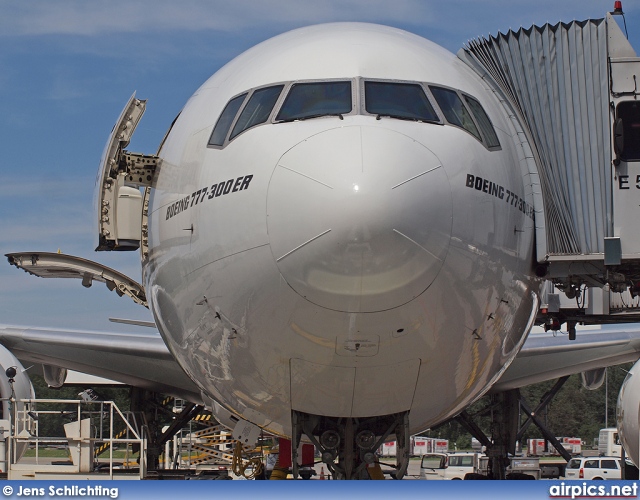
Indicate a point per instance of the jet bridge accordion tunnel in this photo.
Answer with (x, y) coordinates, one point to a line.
(572, 91)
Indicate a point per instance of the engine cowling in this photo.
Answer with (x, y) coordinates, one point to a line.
(22, 387)
(593, 379)
(627, 413)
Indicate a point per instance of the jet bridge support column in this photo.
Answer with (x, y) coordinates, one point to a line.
(504, 429)
(504, 412)
(505, 409)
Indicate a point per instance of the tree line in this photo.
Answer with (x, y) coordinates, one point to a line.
(52, 425)
(573, 412)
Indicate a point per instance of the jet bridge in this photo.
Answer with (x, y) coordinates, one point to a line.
(572, 92)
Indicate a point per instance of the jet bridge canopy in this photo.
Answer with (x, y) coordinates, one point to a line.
(572, 90)
(568, 84)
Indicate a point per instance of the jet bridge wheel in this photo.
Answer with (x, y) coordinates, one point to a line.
(348, 445)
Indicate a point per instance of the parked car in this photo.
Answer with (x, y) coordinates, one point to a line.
(593, 468)
(433, 465)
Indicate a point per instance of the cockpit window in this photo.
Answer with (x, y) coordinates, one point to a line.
(454, 110)
(312, 100)
(258, 109)
(226, 119)
(483, 122)
(405, 101)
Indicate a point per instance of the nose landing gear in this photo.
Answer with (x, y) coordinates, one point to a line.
(348, 445)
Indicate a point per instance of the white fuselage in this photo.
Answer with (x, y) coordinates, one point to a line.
(346, 267)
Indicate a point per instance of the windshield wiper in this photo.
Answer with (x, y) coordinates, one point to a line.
(309, 117)
(399, 117)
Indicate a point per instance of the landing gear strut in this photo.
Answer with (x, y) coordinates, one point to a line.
(147, 405)
(348, 445)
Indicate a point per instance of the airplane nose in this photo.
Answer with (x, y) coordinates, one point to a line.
(359, 218)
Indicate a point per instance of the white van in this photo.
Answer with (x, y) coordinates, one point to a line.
(433, 465)
(451, 466)
(593, 468)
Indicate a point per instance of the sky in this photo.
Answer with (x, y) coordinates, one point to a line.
(67, 67)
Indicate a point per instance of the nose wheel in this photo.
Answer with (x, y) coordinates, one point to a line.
(348, 446)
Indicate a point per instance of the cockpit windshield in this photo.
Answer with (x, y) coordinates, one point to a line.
(405, 101)
(454, 110)
(223, 125)
(418, 102)
(312, 100)
(483, 122)
(257, 110)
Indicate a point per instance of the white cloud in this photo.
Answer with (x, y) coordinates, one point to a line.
(64, 88)
(79, 17)
(111, 28)
(43, 187)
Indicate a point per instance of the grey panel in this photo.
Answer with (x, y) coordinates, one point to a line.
(555, 77)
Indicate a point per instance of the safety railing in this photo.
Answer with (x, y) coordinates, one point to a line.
(84, 427)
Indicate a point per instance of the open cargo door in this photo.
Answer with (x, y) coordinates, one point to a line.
(56, 265)
(119, 204)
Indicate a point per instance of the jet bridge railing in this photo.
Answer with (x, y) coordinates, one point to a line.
(87, 426)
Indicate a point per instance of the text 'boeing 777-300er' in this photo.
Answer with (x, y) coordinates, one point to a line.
(338, 245)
